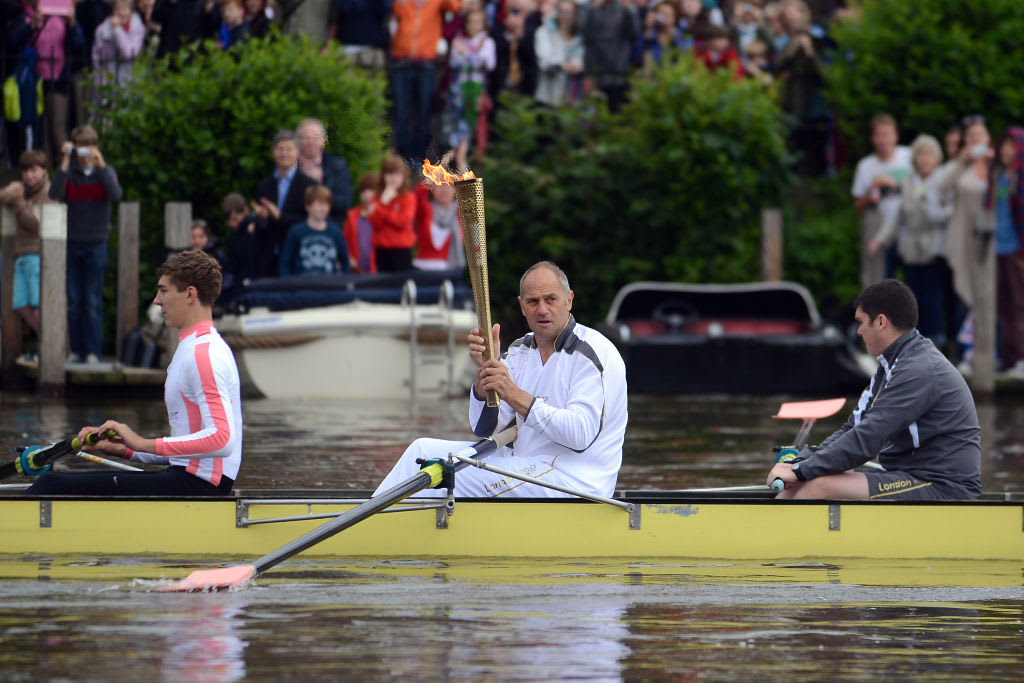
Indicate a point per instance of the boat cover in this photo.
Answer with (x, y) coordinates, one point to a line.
(297, 291)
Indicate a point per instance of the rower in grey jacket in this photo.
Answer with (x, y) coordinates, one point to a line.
(917, 416)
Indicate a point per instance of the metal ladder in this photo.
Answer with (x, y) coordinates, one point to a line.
(438, 317)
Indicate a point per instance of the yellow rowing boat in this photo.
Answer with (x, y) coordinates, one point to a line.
(654, 524)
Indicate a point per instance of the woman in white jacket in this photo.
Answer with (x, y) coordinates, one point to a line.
(119, 40)
(919, 229)
(559, 50)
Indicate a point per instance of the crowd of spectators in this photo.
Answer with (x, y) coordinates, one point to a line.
(299, 221)
(942, 227)
(447, 61)
(73, 47)
(451, 59)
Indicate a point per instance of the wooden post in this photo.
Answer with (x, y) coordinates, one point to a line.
(10, 324)
(127, 272)
(983, 363)
(771, 244)
(177, 236)
(53, 302)
(177, 225)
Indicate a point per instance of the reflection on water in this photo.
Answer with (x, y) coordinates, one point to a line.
(201, 641)
(312, 625)
(856, 642)
(85, 618)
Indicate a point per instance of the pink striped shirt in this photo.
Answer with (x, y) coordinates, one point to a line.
(204, 408)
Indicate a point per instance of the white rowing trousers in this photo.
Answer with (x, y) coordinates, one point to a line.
(473, 482)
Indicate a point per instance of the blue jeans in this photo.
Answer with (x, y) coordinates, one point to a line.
(26, 282)
(412, 90)
(925, 281)
(86, 266)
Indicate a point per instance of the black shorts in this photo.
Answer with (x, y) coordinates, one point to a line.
(172, 481)
(902, 486)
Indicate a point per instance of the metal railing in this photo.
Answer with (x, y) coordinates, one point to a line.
(437, 317)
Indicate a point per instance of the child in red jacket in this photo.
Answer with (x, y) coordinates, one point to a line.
(392, 215)
(358, 231)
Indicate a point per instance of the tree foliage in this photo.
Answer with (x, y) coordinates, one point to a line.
(822, 241)
(670, 189)
(928, 63)
(198, 125)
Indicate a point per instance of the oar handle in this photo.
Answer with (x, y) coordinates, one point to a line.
(778, 486)
(92, 438)
(505, 436)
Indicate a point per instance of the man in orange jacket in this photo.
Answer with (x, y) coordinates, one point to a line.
(413, 51)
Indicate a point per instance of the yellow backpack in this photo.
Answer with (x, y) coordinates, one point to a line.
(23, 90)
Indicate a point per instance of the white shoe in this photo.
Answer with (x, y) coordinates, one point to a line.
(1015, 372)
(92, 359)
(964, 368)
(29, 360)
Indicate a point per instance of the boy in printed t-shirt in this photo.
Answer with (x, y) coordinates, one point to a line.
(315, 246)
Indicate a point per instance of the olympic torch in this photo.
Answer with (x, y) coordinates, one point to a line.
(469, 195)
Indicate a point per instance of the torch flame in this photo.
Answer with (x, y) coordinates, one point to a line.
(439, 176)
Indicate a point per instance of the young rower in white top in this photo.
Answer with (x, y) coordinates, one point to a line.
(204, 450)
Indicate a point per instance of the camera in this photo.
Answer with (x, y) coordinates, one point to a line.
(84, 152)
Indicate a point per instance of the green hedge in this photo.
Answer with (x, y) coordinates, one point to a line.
(928, 63)
(198, 125)
(669, 189)
(822, 240)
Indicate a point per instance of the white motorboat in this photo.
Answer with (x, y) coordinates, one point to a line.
(381, 337)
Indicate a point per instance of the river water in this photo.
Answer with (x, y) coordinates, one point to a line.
(97, 618)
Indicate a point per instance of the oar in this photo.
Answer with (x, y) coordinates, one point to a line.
(430, 475)
(778, 486)
(109, 463)
(33, 462)
(755, 488)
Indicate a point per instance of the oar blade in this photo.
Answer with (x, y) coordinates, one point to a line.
(805, 410)
(209, 580)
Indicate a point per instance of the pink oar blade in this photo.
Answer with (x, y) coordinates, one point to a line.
(803, 410)
(213, 579)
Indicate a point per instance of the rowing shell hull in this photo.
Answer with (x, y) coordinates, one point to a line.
(673, 527)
